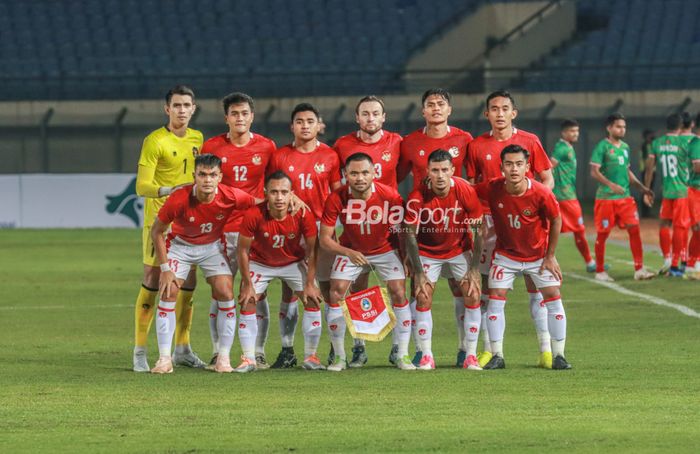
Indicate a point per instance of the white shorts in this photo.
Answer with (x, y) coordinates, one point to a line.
(388, 266)
(487, 246)
(455, 267)
(504, 271)
(294, 275)
(182, 256)
(230, 249)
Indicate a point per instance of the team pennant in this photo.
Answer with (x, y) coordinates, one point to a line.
(368, 314)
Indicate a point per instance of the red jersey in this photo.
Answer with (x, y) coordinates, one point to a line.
(385, 154)
(483, 161)
(312, 173)
(242, 167)
(202, 223)
(521, 222)
(444, 223)
(277, 242)
(371, 234)
(417, 146)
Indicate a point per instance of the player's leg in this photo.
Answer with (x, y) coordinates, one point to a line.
(604, 218)
(165, 328)
(394, 353)
(572, 221)
(458, 303)
(489, 244)
(424, 317)
(145, 302)
(222, 292)
(681, 223)
(665, 233)
(627, 215)
(538, 313)
(342, 274)
(184, 308)
(288, 317)
(556, 316)
(501, 277)
(359, 353)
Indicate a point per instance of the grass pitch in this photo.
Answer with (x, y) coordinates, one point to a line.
(66, 384)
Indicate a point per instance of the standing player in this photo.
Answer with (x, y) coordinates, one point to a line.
(521, 210)
(274, 243)
(439, 217)
(367, 242)
(610, 166)
(483, 164)
(672, 151)
(244, 160)
(198, 214)
(415, 149)
(166, 162)
(315, 171)
(694, 206)
(384, 148)
(564, 172)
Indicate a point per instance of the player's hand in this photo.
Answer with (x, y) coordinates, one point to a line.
(407, 266)
(550, 264)
(357, 258)
(313, 296)
(297, 204)
(648, 197)
(616, 188)
(247, 295)
(472, 280)
(167, 279)
(421, 284)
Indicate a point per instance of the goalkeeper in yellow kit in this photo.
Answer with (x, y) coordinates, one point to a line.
(166, 162)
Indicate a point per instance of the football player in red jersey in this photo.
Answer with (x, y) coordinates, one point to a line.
(415, 149)
(276, 244)
(384, 148)
(198, 214)
(244, 159)
(439, 217)
(315, 171)
(367, 242)
(527, 221)
(483, 163)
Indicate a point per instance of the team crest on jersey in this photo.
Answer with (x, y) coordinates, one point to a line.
(195, 151)
(366, 304)
(454, 152)
(319, 168)
(527, 212)
(191, 218)
(421, 153)
(488, 157)
(386, 156)
(291, 236)
(257, 160)
(219, 217)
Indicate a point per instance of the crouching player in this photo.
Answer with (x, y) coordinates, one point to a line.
(368, 211)
(439, 216)
(521, 209)
(283, 248)
(198, 214)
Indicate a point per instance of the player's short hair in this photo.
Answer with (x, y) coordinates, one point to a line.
(369, 98)
(436, 92)
(208, 161)
(613, 117)
(674, 121)
(183, 90)
(278, 175)
(359, 157)
(687, 120)
(305, 107)
(512, 149)
(237, 98)
(439, 155)
(500, 94)
(568, 123)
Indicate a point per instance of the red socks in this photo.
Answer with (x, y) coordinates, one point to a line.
(582, 245)
(636, 246)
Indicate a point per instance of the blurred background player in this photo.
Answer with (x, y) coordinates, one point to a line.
(415, 149)
(521, 210)
(366, 243)
(439, 217)
(274, 243)
(610, 166)
(648, 137)
(384, 148)
(483, 164)
(198, 214)
(693, 271)
(315, 171)
(244, 159)
(166, 162)
(671, 151)
(564, 173)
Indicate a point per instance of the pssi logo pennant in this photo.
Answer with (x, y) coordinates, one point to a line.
(368, 314)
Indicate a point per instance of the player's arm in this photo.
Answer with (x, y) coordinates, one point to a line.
(420, 280)
(311, 292)
(554, 162)
(403, 168)
(331, 245)
(649, 169)
(550, 261)
(546, 178)
(167, 277)
(473, 277)
(648, 193)
(243, 258)
(600, 178)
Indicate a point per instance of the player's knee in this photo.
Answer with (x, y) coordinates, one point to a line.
(424, 301)
(191, 281)
(455, 288)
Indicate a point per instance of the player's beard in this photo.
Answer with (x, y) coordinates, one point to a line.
(371, 132)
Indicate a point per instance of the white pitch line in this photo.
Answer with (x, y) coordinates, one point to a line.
(685, 310)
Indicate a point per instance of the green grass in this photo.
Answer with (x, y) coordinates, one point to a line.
(65, 384)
